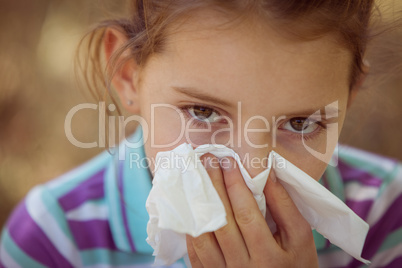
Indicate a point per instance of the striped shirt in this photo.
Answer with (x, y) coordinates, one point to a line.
(95, 216)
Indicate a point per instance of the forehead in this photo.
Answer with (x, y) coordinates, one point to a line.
(249, 57)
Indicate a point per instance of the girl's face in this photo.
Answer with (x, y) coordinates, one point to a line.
(247, 87)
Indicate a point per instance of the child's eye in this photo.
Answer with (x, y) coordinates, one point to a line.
(204, 114)
(301, 125)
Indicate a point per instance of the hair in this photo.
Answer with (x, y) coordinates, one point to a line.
(147, 29)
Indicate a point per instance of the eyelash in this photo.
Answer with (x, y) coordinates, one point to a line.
(197, 122)
(322, 126)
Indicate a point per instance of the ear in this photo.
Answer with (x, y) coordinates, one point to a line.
(359, 83)
(124, 79)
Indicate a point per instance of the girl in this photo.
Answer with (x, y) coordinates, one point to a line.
(252, 75)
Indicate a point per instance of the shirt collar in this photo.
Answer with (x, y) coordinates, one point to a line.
(332, 180)
(127, 185)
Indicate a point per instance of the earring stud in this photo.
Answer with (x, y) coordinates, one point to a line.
(129, 102)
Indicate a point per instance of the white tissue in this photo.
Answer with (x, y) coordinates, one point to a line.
(183, 201)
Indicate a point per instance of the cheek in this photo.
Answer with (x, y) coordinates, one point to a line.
(164, 132)
(150, 155)
(169, 127)
(166, 126)
(312, 155)
(313, 165)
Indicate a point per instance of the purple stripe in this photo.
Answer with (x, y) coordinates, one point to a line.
(91, 188)
(2, 265)
(123, 207)
(349, 173)
(92, 234)
(396, 263)
(390, 221)
(327, 244)
(32, 240)
(361, 208)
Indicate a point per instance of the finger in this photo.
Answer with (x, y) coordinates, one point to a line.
(192, 255)
(208, 251)
(294, 230)
(255, 231)
(229, 237)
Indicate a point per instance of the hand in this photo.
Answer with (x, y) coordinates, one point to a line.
(246, 241)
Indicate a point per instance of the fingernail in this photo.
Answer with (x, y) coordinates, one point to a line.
(227, 163)
(207, 162)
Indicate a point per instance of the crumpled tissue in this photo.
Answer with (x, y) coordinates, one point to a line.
(184, 201)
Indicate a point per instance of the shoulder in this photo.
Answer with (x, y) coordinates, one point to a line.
(370, 179)
(373, 189)
(82, 176)
(355, 164)
(37, 235)
(42, 229)
(367, 176)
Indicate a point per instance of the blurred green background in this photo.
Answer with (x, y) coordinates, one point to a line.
(38, 88)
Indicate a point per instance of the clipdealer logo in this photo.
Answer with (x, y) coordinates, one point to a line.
(326, 154)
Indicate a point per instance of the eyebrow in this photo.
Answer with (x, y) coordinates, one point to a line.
(196, 93)
(331, 111)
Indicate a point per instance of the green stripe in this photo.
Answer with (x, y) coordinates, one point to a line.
(335, 182)
(368, 166)
(16, 253)
(112, 195)
(114, 258)
(390, 178)
(392, 240)
(101, 202)
(137, 185)
(54, 208)
(319, 240)
(332, 248)
(73, 178)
